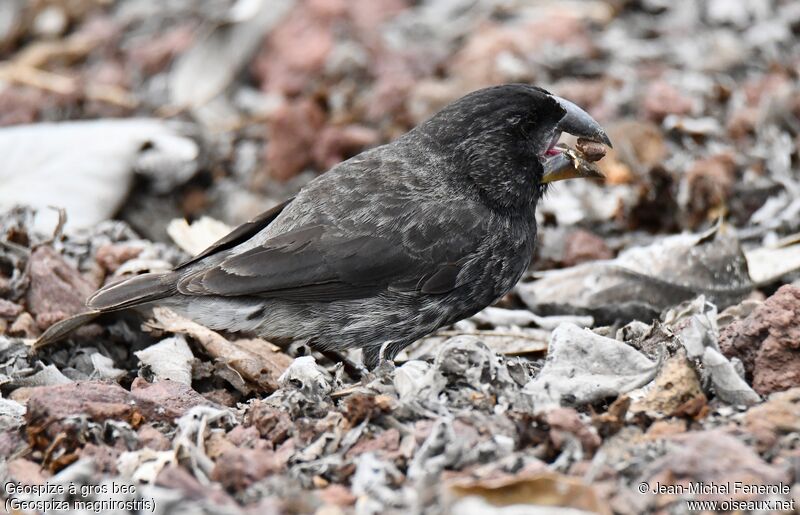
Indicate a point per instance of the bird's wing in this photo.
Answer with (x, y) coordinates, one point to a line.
(320, 262)
(239, 235)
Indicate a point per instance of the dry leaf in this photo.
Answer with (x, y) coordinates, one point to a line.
(194, 238)
(87, 167)
(258, 361)
(542, 489)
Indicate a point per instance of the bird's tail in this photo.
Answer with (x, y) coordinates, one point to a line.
(137, 290)
(62, 329)
(125, 294)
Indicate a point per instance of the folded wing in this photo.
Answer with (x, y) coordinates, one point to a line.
(320, 262)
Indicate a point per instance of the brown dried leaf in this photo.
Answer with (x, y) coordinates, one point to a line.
(543, 489)
(257, 360)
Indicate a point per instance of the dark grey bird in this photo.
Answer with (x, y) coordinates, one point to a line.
(389, 245)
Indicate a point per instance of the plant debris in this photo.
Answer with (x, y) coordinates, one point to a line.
(654, 342)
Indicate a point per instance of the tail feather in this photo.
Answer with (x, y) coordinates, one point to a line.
(62, 329)
(133, 292)
(125, 294)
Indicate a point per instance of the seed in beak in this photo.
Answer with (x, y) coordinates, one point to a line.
(591, 150)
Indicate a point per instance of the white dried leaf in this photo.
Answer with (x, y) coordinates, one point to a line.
(197, 236)
(768, 264)
(522, 317)
(48, 376)
(652, 278)
(213, 62)
(583, 367)
(306, 376)
(86, 167)
(104, 367)
(11, 413)
(144, 465)
(170, 359)
(575, 201)
(728, 385)
(257, 360)
(699, 338)
(411, 378)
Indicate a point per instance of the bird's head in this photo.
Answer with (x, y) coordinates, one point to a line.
(503, 139)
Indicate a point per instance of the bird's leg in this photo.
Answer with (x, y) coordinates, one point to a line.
(353, 369)
(382, 356)
(374, 355)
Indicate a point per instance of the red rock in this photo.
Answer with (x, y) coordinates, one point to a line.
(153, 55)
(172, 398)
(222, 397)
(178, 478)
(768, 342)
(24, 326)
(242, 436)
(710, 181)
(293, 131)
(20, 104)
(110, 73)
(476, 63)
(49, 406)
(581, 246)
(11, 442)
(778, 416)
(112, 256)
(564, 421)
(395, 78)
(152, 438)
(217, 444)
(661, 99)
(9, 310)
(360, 406)
(711, 457)
(367, 17)
(664, 428)
(238, 468)
(104, 457)
(386, 444)
(337, 143)
(762, 86)
(284, 66)
(273, 424)
(27, 472)
(337, 495)
(742, 122)
(57, 289)
(100, 30)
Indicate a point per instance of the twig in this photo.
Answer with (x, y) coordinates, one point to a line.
(522, 336)
(63, 85)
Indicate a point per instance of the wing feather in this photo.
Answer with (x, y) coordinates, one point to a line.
(321, 262)
(239, 235)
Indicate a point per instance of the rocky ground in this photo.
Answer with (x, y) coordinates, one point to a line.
(654, 345)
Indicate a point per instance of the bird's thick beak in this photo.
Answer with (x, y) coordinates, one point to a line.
(566, 163)
(578, 123)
